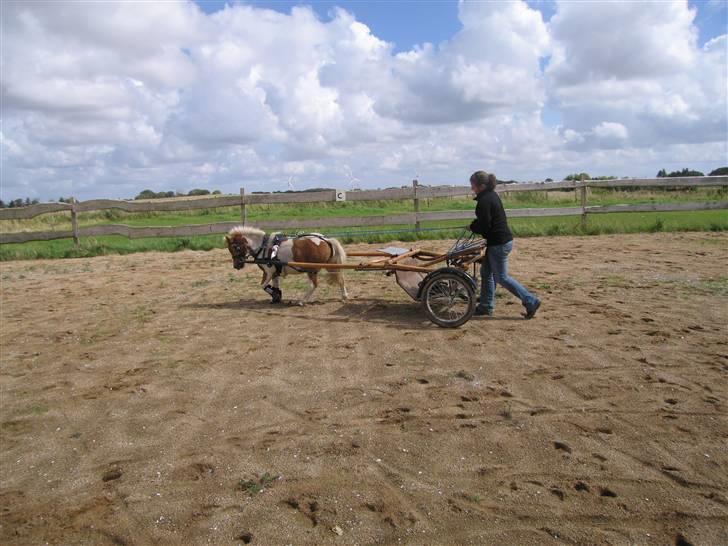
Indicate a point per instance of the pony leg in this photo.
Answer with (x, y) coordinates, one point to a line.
(313, 279)
(278, 295)
(342, 286)
(273, 291)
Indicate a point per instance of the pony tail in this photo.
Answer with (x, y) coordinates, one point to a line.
(338, 257)
(492, 181)
(484, 180)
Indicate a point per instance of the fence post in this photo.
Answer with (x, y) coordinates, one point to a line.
(582, 193)
(415, 185)
(243, 210)
(74, 222)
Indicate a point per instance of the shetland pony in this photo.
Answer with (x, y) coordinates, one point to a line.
(246, 242)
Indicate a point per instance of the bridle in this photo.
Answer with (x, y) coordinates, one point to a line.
(240, 252)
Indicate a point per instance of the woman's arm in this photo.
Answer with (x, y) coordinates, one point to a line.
(483, 220)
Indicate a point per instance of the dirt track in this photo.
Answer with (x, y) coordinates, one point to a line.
(144, 397)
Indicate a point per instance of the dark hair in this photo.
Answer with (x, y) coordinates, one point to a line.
(484, 180)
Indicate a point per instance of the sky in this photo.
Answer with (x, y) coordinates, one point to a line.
(105, 99)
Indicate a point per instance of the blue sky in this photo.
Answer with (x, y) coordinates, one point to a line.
(407, 23)
(104, 99)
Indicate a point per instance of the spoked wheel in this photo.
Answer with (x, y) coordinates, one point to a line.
(448, 300)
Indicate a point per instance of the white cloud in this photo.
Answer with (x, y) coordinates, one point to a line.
(105, 99)
(637, 64)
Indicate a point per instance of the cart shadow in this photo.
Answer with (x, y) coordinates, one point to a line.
(370, 310)
(403, 314)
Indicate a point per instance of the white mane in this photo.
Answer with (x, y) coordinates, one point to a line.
(246, 231)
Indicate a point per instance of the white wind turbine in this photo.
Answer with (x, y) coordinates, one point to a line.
(352, 179)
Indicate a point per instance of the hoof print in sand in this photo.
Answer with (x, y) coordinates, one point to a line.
(112, 474)
(309, 507)
(245, 536)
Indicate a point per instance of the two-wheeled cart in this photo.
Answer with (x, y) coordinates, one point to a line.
(442, 283)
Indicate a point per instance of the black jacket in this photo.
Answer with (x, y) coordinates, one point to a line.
(490, 221)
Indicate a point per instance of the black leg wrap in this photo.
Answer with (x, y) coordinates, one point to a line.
(275, 293)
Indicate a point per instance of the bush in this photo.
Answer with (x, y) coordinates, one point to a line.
(657, 226)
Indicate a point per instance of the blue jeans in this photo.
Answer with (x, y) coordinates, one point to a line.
(494, 269)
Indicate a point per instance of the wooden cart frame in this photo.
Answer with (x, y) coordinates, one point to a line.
(441, 282)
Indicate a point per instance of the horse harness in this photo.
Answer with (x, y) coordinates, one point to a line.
(267, 254)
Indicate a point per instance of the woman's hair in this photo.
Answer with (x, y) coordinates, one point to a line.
(484, 180)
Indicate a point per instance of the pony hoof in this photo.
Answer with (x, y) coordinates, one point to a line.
(300, 303)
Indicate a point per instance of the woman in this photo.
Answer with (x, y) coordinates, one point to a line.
(491, 223)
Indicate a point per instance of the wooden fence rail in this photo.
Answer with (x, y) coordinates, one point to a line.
(415, 193)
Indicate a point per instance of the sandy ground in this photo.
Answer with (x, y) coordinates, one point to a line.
(160, 399)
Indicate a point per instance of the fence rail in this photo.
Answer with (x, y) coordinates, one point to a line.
(415, 193)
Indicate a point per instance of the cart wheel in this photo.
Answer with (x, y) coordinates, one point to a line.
(448, 300)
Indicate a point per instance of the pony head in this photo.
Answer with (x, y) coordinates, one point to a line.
(240, 243)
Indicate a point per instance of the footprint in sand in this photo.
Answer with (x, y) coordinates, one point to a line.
(245, 536)
(112, 474)
(680, 540)
(555, 491)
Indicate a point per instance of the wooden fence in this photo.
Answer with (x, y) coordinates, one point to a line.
(414, 193)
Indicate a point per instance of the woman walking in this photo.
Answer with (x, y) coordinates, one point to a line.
(491, 223)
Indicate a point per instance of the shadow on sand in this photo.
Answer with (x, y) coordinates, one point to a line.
(393, 313)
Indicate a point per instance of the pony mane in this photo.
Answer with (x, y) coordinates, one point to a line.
(244, 230)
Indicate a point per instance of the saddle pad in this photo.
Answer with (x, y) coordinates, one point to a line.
(393, 250)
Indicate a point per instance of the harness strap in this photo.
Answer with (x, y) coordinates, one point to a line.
(262, 256)
(263, 253)
(262, 248)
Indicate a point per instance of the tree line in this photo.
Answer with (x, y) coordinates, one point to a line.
(662, 173)
(149, 194)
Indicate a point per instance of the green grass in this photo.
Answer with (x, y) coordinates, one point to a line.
(534, 199)
(714, 220)
(623, 222)
(253, 487)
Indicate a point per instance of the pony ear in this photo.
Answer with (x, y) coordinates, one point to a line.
(227, 239)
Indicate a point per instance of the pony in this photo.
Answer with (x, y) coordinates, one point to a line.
(248, 242)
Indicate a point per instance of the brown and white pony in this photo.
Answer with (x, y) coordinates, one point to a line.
(245, 242)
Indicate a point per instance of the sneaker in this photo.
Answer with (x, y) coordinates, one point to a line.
(482, 311)
(531, 311)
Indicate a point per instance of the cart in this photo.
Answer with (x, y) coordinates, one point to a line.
(440, 282)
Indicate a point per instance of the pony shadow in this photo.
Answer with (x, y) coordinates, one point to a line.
(404, 314)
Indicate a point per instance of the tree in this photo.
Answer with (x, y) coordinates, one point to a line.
(662, 173)
(549, 180)
(684, 172)
(198, 192)
(577, 176)
(146, 194)
(722, 171)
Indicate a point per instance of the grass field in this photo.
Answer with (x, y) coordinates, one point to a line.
(522, 227)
